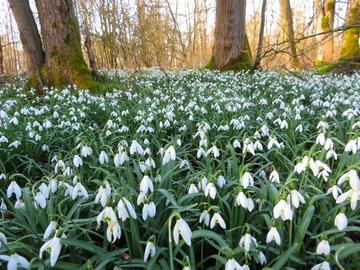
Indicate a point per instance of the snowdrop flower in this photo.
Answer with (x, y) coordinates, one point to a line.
(352, 195)
(328, 144)
(351, 146)
(246, 240)
(299, 128)
(106, 215)
(3, 239)
(340, 221)
(53, 185)
(146, 184)
(135, 147)
(183, 229)
(2, 176)
(103, 193)
(245, 267)
(282, 209)
(169, 155)
(86, 151)
(323, 248)
(215, 151)
(274, 177)
(141, 198)
(232, 265)
(331, 154)
(149, 250)
(246, 180)
(79, 190)
(262, 258)
(273, 142)
(273, 235)
(77, 161)
(322, 266)
(44, 189)
(284, 124)
(19, 204)
(14, 188)
(210, 190)
(113, 231)
(236, 144)
(149, 210)
(53, 246)
(353, 179)
(125, 209)
(320, 139)
(40, 200)
(296, 198)
(50, 229)
(15, 261)
(120, 158)
(193, 189)
(335, 190)
(221, 181)
(244, 202)
(103, 158)
(205, 217)
(201, 153)
(248, 147)
(217, 219)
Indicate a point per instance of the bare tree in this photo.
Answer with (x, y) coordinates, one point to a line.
(286, 22)
(231, 49)
(261, 36)
(30, 39)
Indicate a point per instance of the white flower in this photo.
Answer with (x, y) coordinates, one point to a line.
(193, 189)
(14, 188)
(125, 209)
(15, 261)
(335, 190)
(273, 235)
(77, 161)
(120, 158)
(44, 189)
(323, 248)
(232, 265)
(181, 227)
(320, 139)
(210, 190)
(40, 200)
(149, 210)
(3, 239)
(113, 231)
(245, 202)
(351, 146)
(236, 144)
(53, 185)
(50, 228)
(106, 215)
(331, 154)
(215, 151)
(283, 209)
(149, 250)
(296, 198)
(53, 246)
(86, 151)
(169, 155)
(146, 184)
(340, 221)
(217, 219)
(103, 158)
(262, 258)
(79, 190)
(321, 266)
(284, 124)
(205, 217)
(135, 147)
(274, 177)
(103, 193)
(246, 240)
(221, 181)
(246, 180)
(352, 195)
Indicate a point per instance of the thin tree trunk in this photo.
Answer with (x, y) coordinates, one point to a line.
(30, 39)
(61, 41)
(261, 36)
(1, 58)
(230, 50)
(287, 24)
(350, 50)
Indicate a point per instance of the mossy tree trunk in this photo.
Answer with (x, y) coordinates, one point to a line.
(64, 62)
(231, 49)
(30, 39)
(350, 48)
(326, 24)
(286, 21)
(2, 71)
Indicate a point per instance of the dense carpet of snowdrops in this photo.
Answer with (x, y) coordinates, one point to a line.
(189, 170)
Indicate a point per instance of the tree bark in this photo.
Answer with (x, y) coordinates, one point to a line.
(30, 39)
(287, 25)
(261, 36)
(1, 58)
(231, 50)
(64, 62)
(350, 48)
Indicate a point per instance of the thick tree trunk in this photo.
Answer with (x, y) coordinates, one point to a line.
(231, 49)
(64, 62)
(30, 39)
(287, 25)
(326, 13)
(350, 49)
(261, 36)
(1, 58)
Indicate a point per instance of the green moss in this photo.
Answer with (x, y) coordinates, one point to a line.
(211, 64)
(330, 5)
(325, 23)
(350, 49)
(339, 67)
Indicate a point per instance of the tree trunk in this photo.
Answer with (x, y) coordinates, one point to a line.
(64, 62)
(261, 36)
(231, 50)
(287, 25)
(350, 48)
(1, 59)
(30, 39)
